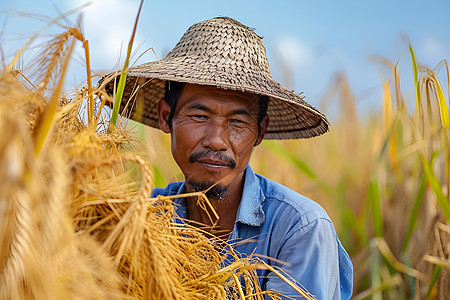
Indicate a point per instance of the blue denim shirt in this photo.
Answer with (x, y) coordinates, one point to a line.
(282, 224)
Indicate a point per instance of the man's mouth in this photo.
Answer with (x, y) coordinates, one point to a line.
(213, 162)
(212, 159)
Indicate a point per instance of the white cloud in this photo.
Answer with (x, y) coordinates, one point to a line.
(293, 51)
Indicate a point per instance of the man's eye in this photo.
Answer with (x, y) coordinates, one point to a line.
(239, 122)
(199, 117)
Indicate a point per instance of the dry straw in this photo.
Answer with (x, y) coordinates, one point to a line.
(74, 222)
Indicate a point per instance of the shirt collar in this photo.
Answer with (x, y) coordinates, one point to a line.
(250, 210)
(180, 203)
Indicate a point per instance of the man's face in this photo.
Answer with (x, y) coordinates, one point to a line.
(213, 134)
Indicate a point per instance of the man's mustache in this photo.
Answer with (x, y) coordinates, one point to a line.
(211, 154)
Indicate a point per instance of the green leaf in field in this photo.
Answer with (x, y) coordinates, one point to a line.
(123, 75)
(436, 186)
(431, 287)
(410, 279)
(373, 197)
(283, 153)
(159, 177)
(445, 151)
(301, 165)
(350, 222)
(416, 81)
(415, 212)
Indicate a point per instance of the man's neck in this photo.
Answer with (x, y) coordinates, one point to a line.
(226, 209)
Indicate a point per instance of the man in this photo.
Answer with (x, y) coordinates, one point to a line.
(216, 98)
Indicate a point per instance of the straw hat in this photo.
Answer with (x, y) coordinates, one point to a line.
(224, 53)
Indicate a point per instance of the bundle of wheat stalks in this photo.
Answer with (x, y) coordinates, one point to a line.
(74, 223)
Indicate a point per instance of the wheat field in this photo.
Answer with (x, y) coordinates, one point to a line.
(76, 220)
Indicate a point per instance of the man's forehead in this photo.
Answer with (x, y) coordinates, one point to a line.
(198, 95)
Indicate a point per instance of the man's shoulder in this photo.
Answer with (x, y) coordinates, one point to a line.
(171, 189)
(280, 197)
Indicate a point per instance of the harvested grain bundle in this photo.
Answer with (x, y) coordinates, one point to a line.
(41, 255)
(54, 219)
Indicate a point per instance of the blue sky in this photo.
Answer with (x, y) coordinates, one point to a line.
(316, 39)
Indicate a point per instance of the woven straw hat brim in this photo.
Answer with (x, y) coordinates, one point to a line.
(220, 52)
(290, 116)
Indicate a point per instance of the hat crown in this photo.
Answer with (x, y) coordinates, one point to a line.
(223, 43)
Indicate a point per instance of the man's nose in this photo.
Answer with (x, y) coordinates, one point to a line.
(216, 137)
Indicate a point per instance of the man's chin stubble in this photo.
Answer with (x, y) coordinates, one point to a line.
(215, 192)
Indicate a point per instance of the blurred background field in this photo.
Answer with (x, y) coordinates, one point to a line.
(382, 172)
(382, 177)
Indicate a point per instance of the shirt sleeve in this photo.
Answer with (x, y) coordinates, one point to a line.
(316, 260)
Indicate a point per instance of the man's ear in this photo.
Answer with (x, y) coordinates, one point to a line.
(163, 116)
(262, 130)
